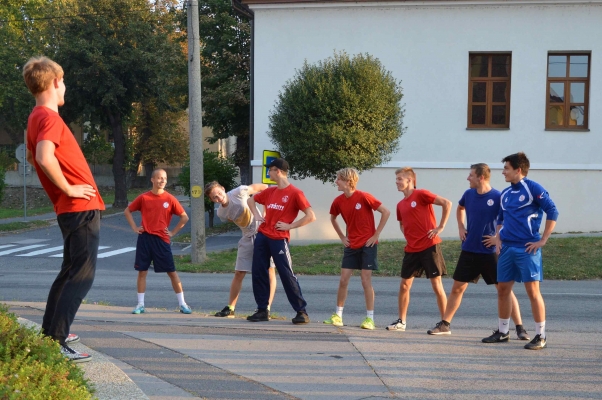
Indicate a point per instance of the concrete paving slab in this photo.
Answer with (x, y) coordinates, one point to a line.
(309, 369)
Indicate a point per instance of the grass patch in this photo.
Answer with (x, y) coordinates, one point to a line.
(16, 213)
(32, 367)
(108, 195)
(564, 258)
(20, 226)
(214, 230)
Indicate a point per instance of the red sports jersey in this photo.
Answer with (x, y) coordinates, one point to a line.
(46, 124)
(156, 210)
(418, 217)
(281, 205)
(357, 212)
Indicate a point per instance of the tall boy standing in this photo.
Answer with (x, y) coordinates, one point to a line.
(423, 255)
(68, 181)
(282, 204)
(519, 245)
(360, 241)
(154, 237)
(234, 207)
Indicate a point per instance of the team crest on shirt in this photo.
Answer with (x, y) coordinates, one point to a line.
(521, 198)
(285, 199)
(165, 205)
(413, 204)
(358, 206)
(490, 202)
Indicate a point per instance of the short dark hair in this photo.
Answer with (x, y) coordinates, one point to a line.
(210, 186)
(482, 169)
(518, 160)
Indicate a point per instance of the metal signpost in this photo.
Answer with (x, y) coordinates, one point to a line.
(21, 156)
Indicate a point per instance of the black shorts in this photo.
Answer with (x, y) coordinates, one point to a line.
(471, 265)
(153, 248)
(429, 261)
(362, 258)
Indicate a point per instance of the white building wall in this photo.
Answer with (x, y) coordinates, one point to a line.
(427, 47)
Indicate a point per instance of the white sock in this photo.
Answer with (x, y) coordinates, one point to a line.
(504, 325)
(141, 298)
(339, 311)
(181, 298)
(370, 314)
(268, 307)
(540, 329)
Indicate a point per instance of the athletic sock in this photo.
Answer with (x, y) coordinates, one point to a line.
(504, 325)
(141, 298)
(339, 311)
(181, 298)
(370, 314)
(268, 307)
(231, 307)
(540, 329)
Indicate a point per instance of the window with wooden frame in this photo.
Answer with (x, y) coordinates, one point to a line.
(567, 91)
(489, 90)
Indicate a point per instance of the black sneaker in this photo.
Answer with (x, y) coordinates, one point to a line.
(301, 318)
(440, 329)
(521, 333)
(73, 355)
(226, 312)
(497, 337)
(259, 316)
(537, 343)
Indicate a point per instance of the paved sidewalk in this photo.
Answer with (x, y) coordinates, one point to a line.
(170, 355)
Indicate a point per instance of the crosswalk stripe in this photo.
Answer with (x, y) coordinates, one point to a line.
(44, 251)
(33, 246)
(61, 254)
(114, 252)
(7, 245)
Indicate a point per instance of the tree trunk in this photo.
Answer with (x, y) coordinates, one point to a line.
(241, 157)
(148, 170)
(211, 212)
(121, 199)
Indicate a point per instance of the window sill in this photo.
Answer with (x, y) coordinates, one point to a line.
(566, 130)
(487, 129)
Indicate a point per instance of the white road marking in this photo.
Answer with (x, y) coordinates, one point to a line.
(7, 245)
(115, 252)
(44, 251)
(34, 246)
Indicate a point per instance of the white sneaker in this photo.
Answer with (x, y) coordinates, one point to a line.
(72, 338)
(397, 325)
(73, 355)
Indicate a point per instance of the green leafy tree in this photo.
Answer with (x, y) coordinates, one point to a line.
(225, 66)
(96, 148)
(117, 53)
(340, 112)
(215, 168)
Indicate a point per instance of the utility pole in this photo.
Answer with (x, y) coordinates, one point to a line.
(197, 205)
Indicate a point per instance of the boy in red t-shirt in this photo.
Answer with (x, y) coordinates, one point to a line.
(360, 240)
(282, 205)
(68, 181)
(422, 253)
(154, 243)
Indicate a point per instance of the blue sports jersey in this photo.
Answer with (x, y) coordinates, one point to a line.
(521, 212)
(481, 218)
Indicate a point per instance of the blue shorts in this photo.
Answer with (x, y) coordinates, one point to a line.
(153, 248)
(515, 264)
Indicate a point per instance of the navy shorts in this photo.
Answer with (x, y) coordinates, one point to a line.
(362, 258)
(472, 265)
(429, 262)
(153, 248)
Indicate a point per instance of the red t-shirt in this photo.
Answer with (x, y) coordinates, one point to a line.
(46, 124)
(357, 212)
(418, 217)
(281, 205)
(156, 210)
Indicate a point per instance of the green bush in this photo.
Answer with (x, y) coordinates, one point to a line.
(32, 367)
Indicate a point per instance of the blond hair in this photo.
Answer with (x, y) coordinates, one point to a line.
(407, 171)
(349, 175)
(39, 72)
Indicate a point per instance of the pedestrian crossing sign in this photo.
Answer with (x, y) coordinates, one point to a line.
(268, 156)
